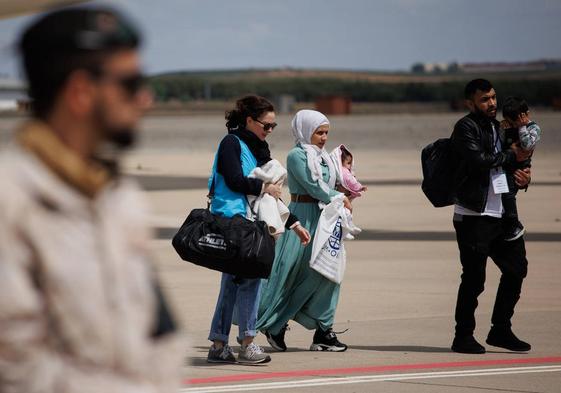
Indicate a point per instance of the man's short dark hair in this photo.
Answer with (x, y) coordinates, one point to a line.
(64, 41)
(477, 84)
(513, 107)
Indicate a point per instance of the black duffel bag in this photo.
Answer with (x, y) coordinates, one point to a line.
(233, 245)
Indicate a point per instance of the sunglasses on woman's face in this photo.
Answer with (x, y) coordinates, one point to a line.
(267, 126)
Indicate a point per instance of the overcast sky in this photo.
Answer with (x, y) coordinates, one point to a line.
(349, 34)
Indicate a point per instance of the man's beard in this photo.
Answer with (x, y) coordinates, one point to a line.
(120, 137)
(486, 114)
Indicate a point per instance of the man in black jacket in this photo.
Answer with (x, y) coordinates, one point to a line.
(478, 210)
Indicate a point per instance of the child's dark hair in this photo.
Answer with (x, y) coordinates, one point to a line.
(252, 105)
(514, 107)
(345, 154)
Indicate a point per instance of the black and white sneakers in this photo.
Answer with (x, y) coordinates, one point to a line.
(277, 340)
(326, 340)
(513, 229)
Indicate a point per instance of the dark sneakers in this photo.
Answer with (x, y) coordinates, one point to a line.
(467, 344)
(513, 231)
(505, 338)
(327, 341)
(277, 340)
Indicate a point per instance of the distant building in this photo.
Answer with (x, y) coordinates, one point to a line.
(284, 103)
(334, 105)
(537, 65)
(13, 95)
(434, 68)
(488, 67)
(557, 103)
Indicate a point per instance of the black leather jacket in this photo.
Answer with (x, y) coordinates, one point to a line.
(473, 142)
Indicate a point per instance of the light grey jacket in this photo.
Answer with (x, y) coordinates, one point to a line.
(77, 303)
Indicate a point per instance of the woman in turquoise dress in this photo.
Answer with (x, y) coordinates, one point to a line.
(294, 291)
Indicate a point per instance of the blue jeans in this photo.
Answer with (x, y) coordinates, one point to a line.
(243, 292)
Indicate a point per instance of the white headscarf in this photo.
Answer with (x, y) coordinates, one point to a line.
(337, 157)
(304, 124)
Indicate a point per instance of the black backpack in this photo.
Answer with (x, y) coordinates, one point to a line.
(443, 170)
(440, 172)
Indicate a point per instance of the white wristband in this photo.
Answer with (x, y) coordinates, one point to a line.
(295, 225)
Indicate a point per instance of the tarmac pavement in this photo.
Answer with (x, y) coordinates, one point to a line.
(398, 296)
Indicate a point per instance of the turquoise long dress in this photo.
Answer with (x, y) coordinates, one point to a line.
(294, 290)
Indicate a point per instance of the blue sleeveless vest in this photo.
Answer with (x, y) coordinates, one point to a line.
(225, 201)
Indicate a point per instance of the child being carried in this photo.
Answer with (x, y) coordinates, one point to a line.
(519, 129)
(347, 182)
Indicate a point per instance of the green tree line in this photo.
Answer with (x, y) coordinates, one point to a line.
(189, 87)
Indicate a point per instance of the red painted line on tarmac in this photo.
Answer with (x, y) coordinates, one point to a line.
(369, 369)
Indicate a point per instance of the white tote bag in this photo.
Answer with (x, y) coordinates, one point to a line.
(328, 251)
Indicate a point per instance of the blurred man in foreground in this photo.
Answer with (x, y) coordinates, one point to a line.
(80, 308)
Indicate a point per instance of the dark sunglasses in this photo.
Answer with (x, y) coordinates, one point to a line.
(267, 126)
(131, 84)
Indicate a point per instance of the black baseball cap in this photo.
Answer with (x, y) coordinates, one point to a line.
(75, 30)
(58, 43)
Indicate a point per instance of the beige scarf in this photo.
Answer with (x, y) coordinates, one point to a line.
(87, 177)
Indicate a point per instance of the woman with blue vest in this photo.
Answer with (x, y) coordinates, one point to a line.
(240, 151)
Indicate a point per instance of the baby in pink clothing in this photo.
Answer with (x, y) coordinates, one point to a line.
(349, 182)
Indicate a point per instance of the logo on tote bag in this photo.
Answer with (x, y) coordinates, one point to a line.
(335, 238)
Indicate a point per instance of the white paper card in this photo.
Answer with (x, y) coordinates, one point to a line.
(498, 178)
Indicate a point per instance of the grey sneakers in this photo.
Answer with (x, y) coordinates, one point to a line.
(249, 354)
(252, 354)
(221, 355)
